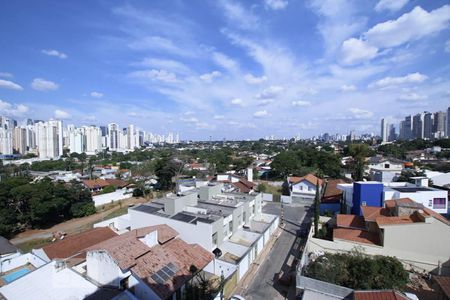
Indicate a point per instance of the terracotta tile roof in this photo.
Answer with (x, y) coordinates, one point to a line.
(127, 247)
(332, 194)
(356, 235)
(391, 204)
(350, 221)
(95, 183)
(397, 220)
(435, 215)
(118, 183)
(143, 261)
(378, 295)
(311, 178)
(73, 244)
(444, 284)
(371, 213)
(244, 185)
(177, 252)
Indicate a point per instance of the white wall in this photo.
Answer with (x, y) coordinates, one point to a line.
(142, 290)
(305, 188)
(103, 269)
(20, 260)
(217, 266)
(109, 197)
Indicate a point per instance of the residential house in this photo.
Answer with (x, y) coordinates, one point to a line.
(374, 193)
(231, 225)
(304, 187)
(416, 235)
(232, 182)
(384, 169)
(332, 196)
(151, 261)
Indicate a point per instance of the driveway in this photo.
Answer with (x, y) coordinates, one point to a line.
(264, 284)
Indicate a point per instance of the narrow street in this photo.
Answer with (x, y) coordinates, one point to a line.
(265, 285)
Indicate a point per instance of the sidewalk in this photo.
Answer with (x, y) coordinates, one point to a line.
(254, 267)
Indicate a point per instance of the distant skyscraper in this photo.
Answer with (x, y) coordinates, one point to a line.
(407, 128)
(6, 135)
(428, 125)
(384, 131)
(439, 124)
(49, 139)
(447, 129)
(392, 135)
(20, 140)
(113, 134)
(418, 122)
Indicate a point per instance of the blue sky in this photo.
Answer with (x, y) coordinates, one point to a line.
(226, 69)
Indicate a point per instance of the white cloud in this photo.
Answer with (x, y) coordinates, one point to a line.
(390, 5)
(40, 84)
(276, 4)
(6, 75)
(190, 120)
(389, 82)
(96, 94)
(219, 117)
(209, 77)
(157, 43)
(409, 27)
(60, 114)
(9, 109)
(265, 102)
(237, 101)
(156, 75)
(6, 84)
(301, 103)
(225, 62)
(238, 16)
(447, 46)
(53, 52)
(250, 79)
(271, 92)
(166, 64)
(412, 97)
(261, 114)
(359, 113)
(355, 51)
(348, 88)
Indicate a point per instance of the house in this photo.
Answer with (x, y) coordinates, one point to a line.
(442, 286)
(416, 235)
(232, 182)
(384, 169)
(50, 282)
(439, 179)
(95, 185)
(304, 187)
(231, 225)
(374, 193)
(152, 261)
(332, 196)
(7, 248)
(71, 246)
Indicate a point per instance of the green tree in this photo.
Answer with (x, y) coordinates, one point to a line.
(358, 152)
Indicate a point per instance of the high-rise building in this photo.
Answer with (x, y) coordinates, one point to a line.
(417, 128)
(428, 125)
(20, 140)
(392, 135)
(93, 138)
(384, 131)
(49, 139)
(447, 128)
(113, 136)
(439, 124)
(76, 141)
(407, 128)
(6, 135)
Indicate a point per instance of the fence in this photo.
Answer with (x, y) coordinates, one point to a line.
(110, 197)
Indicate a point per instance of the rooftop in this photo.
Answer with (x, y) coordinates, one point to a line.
(356, 235)
(311, 178)
(350, 221)
(444, 284)
(164, 267)
(74, 244)
(378, 295)
(6, 247)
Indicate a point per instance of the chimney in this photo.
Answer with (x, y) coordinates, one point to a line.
(151, 239)
(250, 174)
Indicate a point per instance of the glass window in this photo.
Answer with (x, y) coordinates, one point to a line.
(230, 226)
(244, 217)
(214, 238)
(439, 203)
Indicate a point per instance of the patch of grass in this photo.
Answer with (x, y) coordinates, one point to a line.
(33, 244)
(116, 213)
(270, 189)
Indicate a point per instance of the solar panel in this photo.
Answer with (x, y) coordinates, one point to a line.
(172, 267)
(157, 278)
(168, 271)
(163, 275)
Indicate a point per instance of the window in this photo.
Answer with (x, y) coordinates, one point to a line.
(430, 203)
(214, 238)
(240, 219)
(243, 217)
(230, 226)
(253, 209)
(363, 203)
(225, 232)
(387, 166)
(439, 203)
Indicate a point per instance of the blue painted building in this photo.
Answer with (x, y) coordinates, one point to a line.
(366, 194)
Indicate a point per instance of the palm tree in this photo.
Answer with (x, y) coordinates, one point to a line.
(358, 152)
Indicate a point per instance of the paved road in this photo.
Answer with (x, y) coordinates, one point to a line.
(264, 285)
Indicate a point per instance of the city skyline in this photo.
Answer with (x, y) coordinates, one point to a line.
(228, 69)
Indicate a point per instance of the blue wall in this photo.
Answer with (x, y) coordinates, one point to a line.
(370, 193)
(332, 207)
